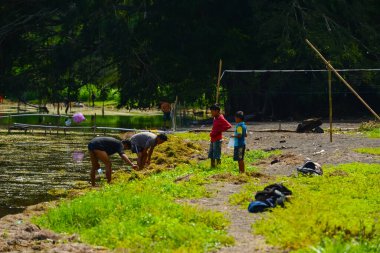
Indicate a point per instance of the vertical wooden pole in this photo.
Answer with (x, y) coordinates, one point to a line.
(218, 84)
(330, 103)
(103, 109)
(9, 123)
(94, 124)
(175, 114)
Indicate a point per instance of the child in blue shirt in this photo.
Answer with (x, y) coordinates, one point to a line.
(240, 134)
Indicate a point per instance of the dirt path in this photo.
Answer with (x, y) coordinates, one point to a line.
(296, 148)
(17, 234)
(241, 220)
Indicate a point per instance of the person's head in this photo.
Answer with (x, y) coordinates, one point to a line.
(161, 138)
(239, 116)
(215, 110)
(127, 143)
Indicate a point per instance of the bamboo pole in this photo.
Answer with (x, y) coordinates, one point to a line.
(330, 103)
(342, 79)
(219, 77)
(174, 120)
(9, 123)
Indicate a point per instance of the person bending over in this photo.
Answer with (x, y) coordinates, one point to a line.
(101, 148)
(143, 145)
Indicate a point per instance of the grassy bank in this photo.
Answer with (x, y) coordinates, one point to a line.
(371, 129)
(339, 210)
(141, 212)
(371, 151)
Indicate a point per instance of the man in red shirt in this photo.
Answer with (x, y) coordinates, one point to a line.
(219, 125)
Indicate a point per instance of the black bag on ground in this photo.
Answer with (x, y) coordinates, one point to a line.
(269, 191)
(271, 196)
(311, 168)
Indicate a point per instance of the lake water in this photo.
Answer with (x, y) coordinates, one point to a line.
(119, 121)
(138, 122)
(33, 165)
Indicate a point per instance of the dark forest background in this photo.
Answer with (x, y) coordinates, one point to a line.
(156, 50)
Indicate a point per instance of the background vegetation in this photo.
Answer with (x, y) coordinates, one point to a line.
(140, 52)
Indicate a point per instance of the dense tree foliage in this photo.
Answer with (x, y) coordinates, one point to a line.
(152, 50)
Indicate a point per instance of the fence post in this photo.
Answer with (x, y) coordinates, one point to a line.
(9, 123)
(94, 126)
(330, 103)
(175, 114)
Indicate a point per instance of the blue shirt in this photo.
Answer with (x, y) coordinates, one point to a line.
(240, 129)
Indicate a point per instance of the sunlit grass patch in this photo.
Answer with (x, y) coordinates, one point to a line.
(375, 133)
(343, 204)
(340, 246)
(192, 136)
(139, 211)
(371, 129)
(371, 151)
(141, 217)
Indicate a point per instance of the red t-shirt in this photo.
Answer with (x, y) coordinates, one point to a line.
(219, 125)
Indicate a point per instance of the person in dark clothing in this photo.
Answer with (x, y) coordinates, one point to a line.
(93, 99)
(101, 148)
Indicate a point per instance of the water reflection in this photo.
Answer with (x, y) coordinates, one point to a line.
(120, 121)
(78, 156)
(30, 166)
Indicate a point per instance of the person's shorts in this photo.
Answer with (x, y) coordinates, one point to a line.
(215, 150)
(91, 146)
(166, 116)
(239, 152)
(136, 149)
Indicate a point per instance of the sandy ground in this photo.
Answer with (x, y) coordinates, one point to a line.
(17, 234)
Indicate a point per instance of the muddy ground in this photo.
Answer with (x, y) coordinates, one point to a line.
(17, 234)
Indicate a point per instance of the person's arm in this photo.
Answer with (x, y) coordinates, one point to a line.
(125, 158)
(224, 125)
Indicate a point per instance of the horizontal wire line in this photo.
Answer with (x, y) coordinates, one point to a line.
(296, 70)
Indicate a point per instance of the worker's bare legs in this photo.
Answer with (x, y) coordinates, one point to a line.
(241, 166)
(141, 159)
(97, 155)
(94, 167)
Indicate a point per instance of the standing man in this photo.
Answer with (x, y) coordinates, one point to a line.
(166, 109)
(101, 148)
(143, 145)
(219, 125)
(93, 99)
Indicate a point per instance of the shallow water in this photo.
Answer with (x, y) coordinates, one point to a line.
(120, 121)
(31, 165)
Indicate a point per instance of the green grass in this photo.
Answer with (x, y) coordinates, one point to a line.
(203, 136)
(144, 215)
(375, 133)
(371, 151)
(339, 246)
(371, 129)
(343, 204)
